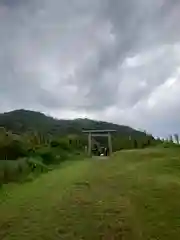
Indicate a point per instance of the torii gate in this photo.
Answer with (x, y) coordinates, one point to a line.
(99, 133)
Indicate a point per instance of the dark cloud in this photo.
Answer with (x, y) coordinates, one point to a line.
(11, 3)
(110, 59)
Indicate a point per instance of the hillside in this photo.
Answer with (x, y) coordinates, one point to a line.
(20, 121)
(133, 196)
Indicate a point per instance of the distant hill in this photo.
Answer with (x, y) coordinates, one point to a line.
(20, 121)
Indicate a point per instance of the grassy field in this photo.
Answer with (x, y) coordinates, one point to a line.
(133, 195)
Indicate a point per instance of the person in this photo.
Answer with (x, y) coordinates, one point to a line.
(86, 149)
(107, 151)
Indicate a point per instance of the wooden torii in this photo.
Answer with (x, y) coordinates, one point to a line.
(99, 133)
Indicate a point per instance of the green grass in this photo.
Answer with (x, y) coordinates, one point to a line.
(133, 195)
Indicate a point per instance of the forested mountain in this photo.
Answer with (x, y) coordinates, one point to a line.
(20, 121)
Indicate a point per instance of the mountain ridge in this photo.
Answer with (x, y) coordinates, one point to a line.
(21, 120)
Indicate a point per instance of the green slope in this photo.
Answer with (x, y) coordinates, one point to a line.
(20, 121)
(133, 195)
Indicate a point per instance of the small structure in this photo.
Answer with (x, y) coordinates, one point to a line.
(99, 133)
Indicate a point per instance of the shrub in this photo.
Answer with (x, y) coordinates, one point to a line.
(61, 143)
(54, 143)
(11, 171)
(12, 148)
(45, 154)
(37, 166)
(169, 145)
(24, 157)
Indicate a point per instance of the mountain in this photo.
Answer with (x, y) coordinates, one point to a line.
(20, 121)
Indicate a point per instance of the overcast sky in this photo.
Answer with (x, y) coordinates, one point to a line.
(114, 60)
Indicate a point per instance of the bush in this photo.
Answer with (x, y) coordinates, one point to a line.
(61, 143)
(54, 144)
(45, 154)
(24, 157)
(37, 166)
(13, 171)
(169, 145)
(12, 148)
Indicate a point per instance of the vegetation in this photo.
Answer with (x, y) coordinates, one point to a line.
(22, 121)
(133, 195)
(31, 143)
(27, 155)
(122, 198)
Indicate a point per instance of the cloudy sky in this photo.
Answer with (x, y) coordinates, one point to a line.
(111, 60)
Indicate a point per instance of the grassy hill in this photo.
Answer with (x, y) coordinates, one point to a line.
(20, 121)
(31, 141)
(134, 195)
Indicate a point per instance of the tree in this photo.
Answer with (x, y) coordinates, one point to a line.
(135, 144)
(176, 138)
(171, 138)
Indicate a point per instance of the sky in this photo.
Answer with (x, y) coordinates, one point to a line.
(110, 60)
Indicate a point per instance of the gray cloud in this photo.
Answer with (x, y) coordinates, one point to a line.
(107, 59)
